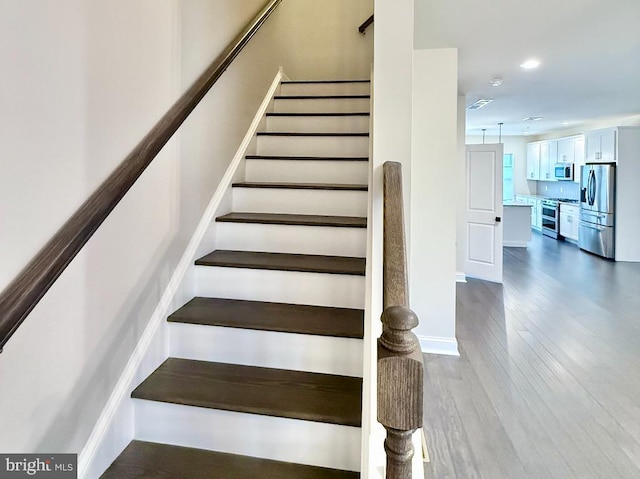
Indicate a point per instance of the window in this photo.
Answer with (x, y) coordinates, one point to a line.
(508, 188)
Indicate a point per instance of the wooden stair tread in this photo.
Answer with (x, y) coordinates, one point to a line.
(307, 158)
(145, 460)
(300, 186)
(291, 219)
(281, 317)
(303, 134)
(305, 114)
(284, 262)
(324, 81)
(273, 392)
(320, 97)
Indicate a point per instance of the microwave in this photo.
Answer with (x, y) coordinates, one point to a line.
(563, 171)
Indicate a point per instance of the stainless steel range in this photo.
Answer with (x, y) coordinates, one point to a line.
(550, 218)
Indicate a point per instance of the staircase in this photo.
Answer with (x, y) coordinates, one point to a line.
(264, 377)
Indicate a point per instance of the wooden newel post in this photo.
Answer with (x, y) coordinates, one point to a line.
(400, 388)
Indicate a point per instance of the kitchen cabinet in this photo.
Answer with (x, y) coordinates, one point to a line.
(533, 161)
(536, 210)
(548, 159)
(569, 221)
(536, 213)
(600, 146)
(570, 149)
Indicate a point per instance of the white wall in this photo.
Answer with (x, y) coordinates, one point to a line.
(76, 100)
(86, 81)
(434, 163)
(461, 190)
(320, 39)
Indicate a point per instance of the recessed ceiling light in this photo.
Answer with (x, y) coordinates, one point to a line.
(496, 82)
(479, 104)
(530, 64)
(532, 118)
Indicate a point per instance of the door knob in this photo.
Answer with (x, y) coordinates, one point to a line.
(498, 219)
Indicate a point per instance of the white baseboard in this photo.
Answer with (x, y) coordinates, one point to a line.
(433, 345)
(115, 422)
(461, 277)
(515, 244)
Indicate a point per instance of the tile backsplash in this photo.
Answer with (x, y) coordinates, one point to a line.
(559, 189)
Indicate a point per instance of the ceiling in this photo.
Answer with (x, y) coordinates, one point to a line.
(589, 49)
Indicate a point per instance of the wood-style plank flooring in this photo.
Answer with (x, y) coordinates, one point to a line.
(547, 384)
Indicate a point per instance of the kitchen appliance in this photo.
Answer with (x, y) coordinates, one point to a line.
(563, 171)
(597, 208)
(550, 218)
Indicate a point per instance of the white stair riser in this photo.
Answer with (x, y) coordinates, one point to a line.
(296, 239)
(281, 439)
(313, 145)
(321, 105)
(318, 124)
(351, 88)
(269, 349)
(317, 289)
(304, 202)
(308, 171)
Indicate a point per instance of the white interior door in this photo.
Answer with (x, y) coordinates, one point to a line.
(483, 258)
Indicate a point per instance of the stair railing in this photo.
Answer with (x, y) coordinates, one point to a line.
(363, 28)
(25, 291)
(400, 362)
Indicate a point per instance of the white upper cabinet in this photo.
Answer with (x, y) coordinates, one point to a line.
(566, 150)
(601, 146)
(533, 161)
(548, 159)
(542, 157)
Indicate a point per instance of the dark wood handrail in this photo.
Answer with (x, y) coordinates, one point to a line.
(31, 284)
(400, 362)
(363, 28)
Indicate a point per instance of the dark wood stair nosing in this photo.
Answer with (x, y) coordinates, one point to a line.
(321, 97)
(302, 263)
(303, 134)
(321, 114)
(144, 460)
(307, 158)
(301, 186)
(302, 82)
(283, 393)
(294, 220)
(275, 317)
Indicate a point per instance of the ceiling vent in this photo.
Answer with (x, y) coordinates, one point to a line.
(479, 104)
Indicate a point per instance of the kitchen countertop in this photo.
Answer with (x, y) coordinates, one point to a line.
(538, 197)
(515, 203)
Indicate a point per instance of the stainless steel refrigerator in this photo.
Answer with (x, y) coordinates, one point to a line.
(597, 209)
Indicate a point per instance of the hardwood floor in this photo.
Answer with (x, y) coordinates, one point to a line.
(547, 384)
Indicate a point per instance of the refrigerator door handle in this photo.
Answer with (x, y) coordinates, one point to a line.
(593, 226)
(591, 188)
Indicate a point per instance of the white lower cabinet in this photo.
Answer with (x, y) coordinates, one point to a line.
(536, 210)
(569, 221)
(536, 213)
